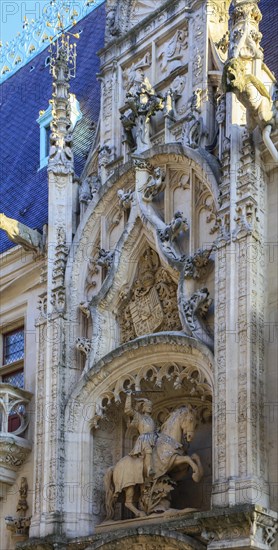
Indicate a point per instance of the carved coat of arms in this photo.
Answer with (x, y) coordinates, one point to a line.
(152, 303)
(147, 313)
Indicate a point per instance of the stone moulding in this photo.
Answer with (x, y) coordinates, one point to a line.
(241, 526)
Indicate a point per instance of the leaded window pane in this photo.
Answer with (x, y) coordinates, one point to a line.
(14, 378)
(13, 346)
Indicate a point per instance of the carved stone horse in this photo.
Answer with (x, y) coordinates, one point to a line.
(168, 458)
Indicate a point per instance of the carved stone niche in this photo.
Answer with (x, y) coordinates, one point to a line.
(116, 436)
(150, 305)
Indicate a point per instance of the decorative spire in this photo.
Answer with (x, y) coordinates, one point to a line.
(62, 68)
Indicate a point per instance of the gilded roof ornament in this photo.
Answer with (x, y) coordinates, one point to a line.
(36, 34)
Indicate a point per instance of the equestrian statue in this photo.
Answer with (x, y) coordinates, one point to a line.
(149, 473)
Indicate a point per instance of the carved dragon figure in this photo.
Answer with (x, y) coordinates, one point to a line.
(253, 95)
(21, 234)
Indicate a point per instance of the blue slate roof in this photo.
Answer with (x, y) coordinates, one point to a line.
(23, 95)
(269, 28)
(23, 186)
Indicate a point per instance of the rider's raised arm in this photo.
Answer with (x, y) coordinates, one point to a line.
(129, 411)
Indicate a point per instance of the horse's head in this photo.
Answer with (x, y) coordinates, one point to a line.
(189, 422)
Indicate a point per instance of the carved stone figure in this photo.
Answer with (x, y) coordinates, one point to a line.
(172, 58)
(85, 194)
(104, 155)
(135, 75)
(196, 266)
(198, 304)
(172, 230)
(142, 420)
(21, 234)
(193, 129)
(60, 153)
(155, 184)
(84, 307)
(254, 96)
(250, 91)
(105, 258)
(112, 28)
(141, 104)
(125, 199)
(19, 525)
(245, 35)
(178, 85)
(168, 462)
(83, 345)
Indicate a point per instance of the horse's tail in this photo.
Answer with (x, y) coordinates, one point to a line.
(110, 497)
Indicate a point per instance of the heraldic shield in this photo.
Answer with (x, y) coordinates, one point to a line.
(147, 313)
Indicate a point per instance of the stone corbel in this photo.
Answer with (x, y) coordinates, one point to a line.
(30, 239)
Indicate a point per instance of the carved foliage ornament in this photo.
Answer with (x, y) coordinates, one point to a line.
(192, 376)
(152, 301)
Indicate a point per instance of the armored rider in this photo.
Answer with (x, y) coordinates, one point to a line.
(142, 420)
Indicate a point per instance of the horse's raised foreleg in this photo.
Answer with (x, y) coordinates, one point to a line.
(199, 475)
(129, 495)
(194, 462)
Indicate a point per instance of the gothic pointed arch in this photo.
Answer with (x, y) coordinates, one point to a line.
(175, 370)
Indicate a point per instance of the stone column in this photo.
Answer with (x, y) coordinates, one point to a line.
(240, 468)
(52, 325)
